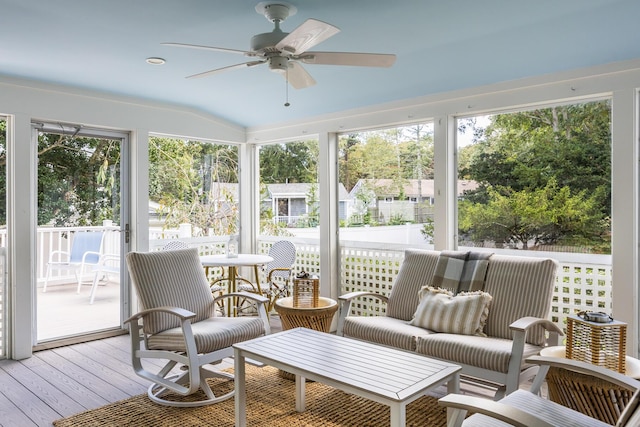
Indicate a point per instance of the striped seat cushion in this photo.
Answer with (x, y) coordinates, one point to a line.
(520, 287)
(384, 330)
(483, 352)
(415, 272)
(544, 409)
(170, 278)
(210, 335)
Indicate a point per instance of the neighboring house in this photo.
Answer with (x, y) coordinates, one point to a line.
(290, 202)
(409, 199)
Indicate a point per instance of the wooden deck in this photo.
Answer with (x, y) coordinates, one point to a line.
(63, 381)
(63, 312)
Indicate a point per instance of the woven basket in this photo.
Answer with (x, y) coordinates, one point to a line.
(317, 318)
(594, 397)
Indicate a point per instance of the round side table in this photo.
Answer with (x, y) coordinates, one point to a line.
(317, 318)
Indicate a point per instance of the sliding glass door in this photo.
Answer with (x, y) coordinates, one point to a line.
(82, 233)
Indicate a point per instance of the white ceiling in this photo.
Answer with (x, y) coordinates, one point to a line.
(440, 46)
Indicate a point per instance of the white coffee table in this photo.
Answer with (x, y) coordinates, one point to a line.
(385, 375)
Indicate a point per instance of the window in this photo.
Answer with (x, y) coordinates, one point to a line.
(389, 176)
(537, 180)
(193, 189)
(289, 200)
(540, 181)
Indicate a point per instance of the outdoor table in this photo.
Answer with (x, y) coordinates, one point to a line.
(232, 264)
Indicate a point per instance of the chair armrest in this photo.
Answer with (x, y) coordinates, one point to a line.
(86, 254)
(59, 253)
(352, 295)
(345, 305)
(519, 329)
(587, 369)
(273, 270)
(497, 410)
(176, 311)
(525, 323)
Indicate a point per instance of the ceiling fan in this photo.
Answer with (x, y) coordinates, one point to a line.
(284, 52)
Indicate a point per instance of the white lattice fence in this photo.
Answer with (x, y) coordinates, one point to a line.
(581, 287)
(366, 269)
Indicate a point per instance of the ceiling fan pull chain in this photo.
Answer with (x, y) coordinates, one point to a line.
(286, 86)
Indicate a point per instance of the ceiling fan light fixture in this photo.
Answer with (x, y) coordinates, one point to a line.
(278, 64)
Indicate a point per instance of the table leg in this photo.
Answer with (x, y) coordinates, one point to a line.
(300, 398)
(256, 273)
(398, 414)
(232, 311)
(453, 386)
(240, 389)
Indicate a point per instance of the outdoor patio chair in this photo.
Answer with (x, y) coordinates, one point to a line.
(109, 264)
(527, 409)
(86, 248)
(279, 272)
(175, 244)
(179, 327)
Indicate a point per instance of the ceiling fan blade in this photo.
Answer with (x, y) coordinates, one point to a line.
(223, 69)
(306, 35)
(298, 77)
(217, 49)
(348, 58)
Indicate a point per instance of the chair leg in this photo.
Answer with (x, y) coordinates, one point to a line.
(46, 279)
(79, 278)
(156, 392)
(94, 286)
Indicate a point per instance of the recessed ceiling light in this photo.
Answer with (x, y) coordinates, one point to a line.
(155, 61)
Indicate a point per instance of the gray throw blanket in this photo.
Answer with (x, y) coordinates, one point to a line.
(461, 271)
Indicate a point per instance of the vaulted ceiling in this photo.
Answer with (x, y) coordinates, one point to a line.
(440, 46)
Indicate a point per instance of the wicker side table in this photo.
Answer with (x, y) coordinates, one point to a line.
(317, 318)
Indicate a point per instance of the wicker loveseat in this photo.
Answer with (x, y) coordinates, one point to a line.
(516, 325)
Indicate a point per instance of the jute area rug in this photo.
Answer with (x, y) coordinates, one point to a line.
(270, 402)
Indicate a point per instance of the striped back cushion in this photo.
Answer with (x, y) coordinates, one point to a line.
(415, 272)
(170, 278)
(520, 286)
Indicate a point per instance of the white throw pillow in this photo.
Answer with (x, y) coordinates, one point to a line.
(440, 311)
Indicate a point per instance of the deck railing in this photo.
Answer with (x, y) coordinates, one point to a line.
(583, 281)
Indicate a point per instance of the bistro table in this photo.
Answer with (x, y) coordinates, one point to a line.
(232, 264)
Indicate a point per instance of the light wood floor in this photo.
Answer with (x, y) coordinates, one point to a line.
(67, 380)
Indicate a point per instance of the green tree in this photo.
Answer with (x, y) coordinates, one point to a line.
(526, 153)
(290, 162)
(548, 215)
(195, 183)
(77, 180)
